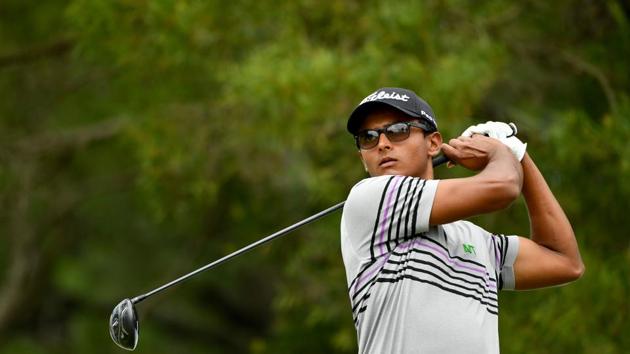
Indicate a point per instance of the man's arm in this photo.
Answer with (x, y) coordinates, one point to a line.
(551, 256)
(495, 187)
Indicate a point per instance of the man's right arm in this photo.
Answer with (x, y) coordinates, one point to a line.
(495, 187)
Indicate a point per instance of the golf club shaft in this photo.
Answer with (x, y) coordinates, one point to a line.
(436, 162)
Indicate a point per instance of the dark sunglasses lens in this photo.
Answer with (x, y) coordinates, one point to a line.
(368, 139)
(397, 132)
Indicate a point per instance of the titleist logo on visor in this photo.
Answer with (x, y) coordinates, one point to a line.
(379, 95)
(424, 114)
(403, 100)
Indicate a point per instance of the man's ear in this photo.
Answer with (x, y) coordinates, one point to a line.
(434, 143)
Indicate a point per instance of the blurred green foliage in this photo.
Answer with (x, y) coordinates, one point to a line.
(142, 139)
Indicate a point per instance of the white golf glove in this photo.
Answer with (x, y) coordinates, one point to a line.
(504, 132)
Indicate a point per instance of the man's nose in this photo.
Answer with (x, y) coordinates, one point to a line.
(383, 142)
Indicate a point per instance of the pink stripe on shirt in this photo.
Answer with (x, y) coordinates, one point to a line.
(386, 213)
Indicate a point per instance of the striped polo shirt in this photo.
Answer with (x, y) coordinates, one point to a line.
(415, 288)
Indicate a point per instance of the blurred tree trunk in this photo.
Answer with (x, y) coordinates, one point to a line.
(23, 268)
(57, 48)
(26, 270)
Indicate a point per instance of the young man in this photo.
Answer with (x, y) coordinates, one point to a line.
(420, 279)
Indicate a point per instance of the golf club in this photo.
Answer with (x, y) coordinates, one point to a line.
(123, 322)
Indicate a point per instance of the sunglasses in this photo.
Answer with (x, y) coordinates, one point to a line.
(368, 138)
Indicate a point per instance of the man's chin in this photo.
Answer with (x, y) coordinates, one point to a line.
(397, 172)
(389, 171)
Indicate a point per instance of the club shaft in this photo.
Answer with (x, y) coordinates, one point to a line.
(436, 162)
(249, 247)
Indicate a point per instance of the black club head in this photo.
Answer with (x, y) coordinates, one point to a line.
(123, 325)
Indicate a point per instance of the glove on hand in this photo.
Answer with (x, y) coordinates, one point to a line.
(505, 133)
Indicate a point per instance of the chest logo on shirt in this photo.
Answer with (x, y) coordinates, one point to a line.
(470, 249)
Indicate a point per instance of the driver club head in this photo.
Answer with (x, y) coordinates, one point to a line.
(123, 325)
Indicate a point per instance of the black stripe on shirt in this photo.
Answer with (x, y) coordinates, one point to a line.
(481, 281)
(484, 293)
(490, 303)
(482, 285)
(402, 209)
(489, 307)
(504, 250)
(355, 306)
(365, 296)
(391, 219)
(378, 216)
(439, 259)
(365, 267)
(369, 282)
(408, 215)
(415, 211)
(503, 246)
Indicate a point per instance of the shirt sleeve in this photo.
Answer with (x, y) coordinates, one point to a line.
(505, 249)
(383, 211)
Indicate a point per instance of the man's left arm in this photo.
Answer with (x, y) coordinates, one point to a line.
(551, 256)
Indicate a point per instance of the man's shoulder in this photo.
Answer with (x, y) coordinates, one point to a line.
(464, 226)
(380, 182)
(366, 192)
(371, 181)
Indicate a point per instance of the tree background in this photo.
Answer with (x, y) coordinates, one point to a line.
(141, 139)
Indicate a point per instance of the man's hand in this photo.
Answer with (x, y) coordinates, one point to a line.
(496, 185)
(504, 132)
(473, 152)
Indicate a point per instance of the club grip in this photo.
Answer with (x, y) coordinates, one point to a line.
(440, 160)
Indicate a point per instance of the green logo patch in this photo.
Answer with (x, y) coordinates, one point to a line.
(470, 249)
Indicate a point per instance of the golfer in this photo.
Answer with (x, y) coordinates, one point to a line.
(420, 278)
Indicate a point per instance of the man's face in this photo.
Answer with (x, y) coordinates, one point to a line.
(410, 157)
